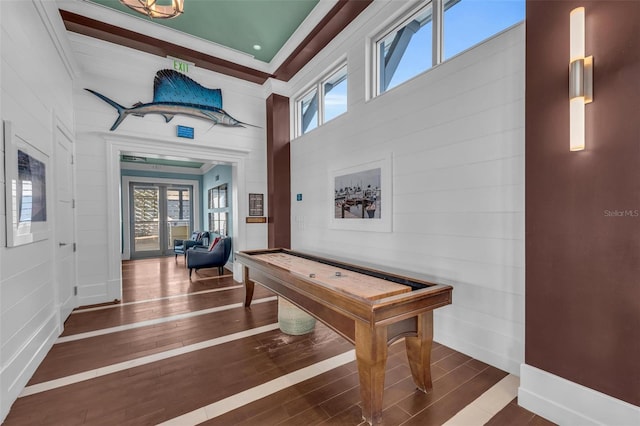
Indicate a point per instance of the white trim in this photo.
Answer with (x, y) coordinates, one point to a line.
(310, 22)
(163, 169)
(50, 17)
(126, 365)
(16, 372)
(126, 211)
(117, 144)
(64, 307)
(508, 362)
(155, 299)
(487, 405)
(144, 26)
(218, 408)
(567, 403)
(156, 321)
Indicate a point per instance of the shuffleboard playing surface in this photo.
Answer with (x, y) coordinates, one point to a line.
(339, 279)
(370, 308)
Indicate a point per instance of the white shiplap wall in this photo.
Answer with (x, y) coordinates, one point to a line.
(36, 81)
(456, 138)
(126, 76)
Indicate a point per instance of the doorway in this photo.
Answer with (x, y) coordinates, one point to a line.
(118, 223)
(159, 214)
(154, 237)
(65, 257)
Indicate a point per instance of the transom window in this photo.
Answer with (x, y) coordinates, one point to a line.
(406, 51)
(436, 32)
(324, 101)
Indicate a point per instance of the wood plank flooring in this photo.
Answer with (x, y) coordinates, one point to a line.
(186, 352)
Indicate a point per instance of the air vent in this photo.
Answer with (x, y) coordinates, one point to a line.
(133, 158)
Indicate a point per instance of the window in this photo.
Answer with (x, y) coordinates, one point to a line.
(219, 203)
(218, 222)
(332, 91)
(309, 111)
(438, 31)
(218, 197)
(468, 22)
(406, 51)
(178, 204)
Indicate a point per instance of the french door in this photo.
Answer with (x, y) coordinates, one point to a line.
(160, 214)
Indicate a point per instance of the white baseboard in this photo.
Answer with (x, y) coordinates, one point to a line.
(114, 290)
(93, 294)
(567, 403)
(237, 269)
(17, 371)
(462, 345)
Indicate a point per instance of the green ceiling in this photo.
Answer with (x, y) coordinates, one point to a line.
(237, 24)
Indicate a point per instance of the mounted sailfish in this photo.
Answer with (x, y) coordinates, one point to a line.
(173, 94)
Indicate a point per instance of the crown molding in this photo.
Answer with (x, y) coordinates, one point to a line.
(51, 21)
(96, 21)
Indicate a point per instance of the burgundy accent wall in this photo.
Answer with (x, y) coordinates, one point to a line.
(583, 208)
(278, 172)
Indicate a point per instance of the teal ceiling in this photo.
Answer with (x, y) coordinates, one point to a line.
(236, 24)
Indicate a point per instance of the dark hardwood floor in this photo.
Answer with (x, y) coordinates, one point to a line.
(175, 350)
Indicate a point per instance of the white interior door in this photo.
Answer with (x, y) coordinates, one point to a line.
(64, 228)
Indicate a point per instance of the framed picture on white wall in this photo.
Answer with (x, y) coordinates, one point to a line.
(361, 197)
(26, 174)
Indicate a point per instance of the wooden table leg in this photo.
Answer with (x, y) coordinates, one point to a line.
(248, 287)
(419, 352)
(371, 356)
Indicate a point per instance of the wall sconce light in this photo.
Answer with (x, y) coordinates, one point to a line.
(580, 79)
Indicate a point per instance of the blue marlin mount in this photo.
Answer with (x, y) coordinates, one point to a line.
(176, 94)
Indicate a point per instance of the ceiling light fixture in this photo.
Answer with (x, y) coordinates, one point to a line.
(154, 10)
(257, 47)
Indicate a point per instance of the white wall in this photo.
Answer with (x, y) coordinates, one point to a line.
(35, 86)
(456, 138)
(126, 76)
(455, 135)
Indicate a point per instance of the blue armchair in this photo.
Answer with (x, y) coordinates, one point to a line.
(181, 246)
(201, 257)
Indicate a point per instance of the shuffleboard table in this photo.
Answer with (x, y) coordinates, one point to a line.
(370, 308)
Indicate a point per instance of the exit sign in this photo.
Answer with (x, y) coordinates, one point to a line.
(180, 65)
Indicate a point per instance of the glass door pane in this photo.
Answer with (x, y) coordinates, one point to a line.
(178, 215)
(146, 219)
(160, 215)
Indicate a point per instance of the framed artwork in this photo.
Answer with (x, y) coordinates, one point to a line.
(361, 197)
(26, 173)
(256, 204)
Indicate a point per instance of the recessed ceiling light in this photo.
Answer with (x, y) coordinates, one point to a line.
(257, 47)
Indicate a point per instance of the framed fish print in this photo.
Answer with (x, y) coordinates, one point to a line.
(361, 196)
(26, 169)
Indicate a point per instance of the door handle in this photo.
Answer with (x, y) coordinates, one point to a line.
(62, 244)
